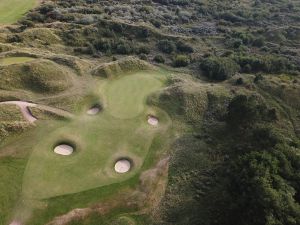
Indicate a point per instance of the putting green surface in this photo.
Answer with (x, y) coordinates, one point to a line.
(119, 131)
(12, 10)
(126, 96)
(14, 60)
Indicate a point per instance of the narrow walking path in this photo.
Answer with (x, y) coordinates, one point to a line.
(24, 107)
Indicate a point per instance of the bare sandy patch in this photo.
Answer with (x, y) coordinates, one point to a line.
(122, 166)
(64, 149)
(152, 120)
(93, 111)
(15, 223)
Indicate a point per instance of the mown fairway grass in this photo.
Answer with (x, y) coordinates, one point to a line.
(121, 130)
(12, 10)
(14, 60)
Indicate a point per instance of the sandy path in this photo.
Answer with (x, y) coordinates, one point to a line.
(24, 107)
(15, 223)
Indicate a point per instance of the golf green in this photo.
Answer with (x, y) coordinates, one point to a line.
(119, 131)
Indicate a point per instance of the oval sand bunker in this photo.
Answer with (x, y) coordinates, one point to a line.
(63, 149)
(122, 166)
(152, 120)
(93, 111)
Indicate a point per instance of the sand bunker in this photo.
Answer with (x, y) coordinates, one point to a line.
(15, 223)
(64, 149)
(94, 110)
(122, 166)
(152, 120)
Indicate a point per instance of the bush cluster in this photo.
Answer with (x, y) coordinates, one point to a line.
(219, 68)
(267, 63)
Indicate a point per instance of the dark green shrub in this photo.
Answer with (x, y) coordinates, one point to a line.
(103, 45)
(183, 47)
(267, 63)
(218, 68)
(159, 59)
(156, 23)
(35, 16)
(181, 61)
(27, 23)
(166, 46)
(174, 2)
(243, 110)
(143, 57)
(116, 27)
(257, 78)
(14, 38)
(259, 42)
(46, 8)
(143, 50)
(124, 48)
(239, 81)
(143, 33)
(247, 68)
(236, 43)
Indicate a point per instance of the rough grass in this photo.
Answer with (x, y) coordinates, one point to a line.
(5, 47)
(40, 76)
(42, 114)
(284, 87)
(121, 67)
(185, 100)
(41, 35)
(57, 206)
(11, 122)
(12, 10)
(10, 113)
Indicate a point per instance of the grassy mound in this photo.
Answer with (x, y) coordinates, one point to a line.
(284, 87)
(12, 121)
(12, 10)
(42, 114)
(183, 100)
(79, 66)
(43, 35)
(37, 76)
(123, 66)
(5, 47)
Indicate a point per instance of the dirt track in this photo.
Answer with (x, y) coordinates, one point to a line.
(24, 107)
